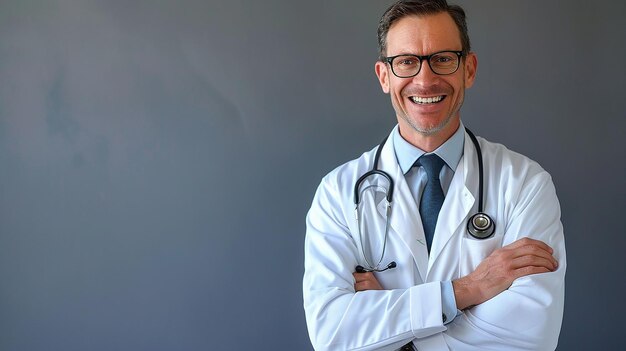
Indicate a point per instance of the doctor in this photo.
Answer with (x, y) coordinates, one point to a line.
(412, 277)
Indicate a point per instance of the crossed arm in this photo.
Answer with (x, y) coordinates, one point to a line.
(495, 274)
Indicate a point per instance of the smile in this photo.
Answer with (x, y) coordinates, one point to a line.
(428, 100)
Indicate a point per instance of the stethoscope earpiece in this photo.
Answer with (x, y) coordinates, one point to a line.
(480, 226)
(361, 269)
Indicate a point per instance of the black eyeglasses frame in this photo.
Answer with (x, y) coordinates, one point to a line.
(389, 60)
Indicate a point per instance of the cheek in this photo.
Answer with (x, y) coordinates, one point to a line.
(458, 86)
(397, 88)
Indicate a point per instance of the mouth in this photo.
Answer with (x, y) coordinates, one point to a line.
(427, 100)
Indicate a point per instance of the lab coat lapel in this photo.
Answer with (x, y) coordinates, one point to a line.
(458, 202)
(405, 221)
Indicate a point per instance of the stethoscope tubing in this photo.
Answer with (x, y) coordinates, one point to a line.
(374, 171)
(479, 226)
(479, 157)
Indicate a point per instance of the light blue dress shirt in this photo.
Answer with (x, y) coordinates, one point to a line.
(451, 152)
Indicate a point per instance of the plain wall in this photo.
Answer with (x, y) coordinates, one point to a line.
(157, 158)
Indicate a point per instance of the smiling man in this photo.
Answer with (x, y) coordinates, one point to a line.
(434, 239)
(427, 105)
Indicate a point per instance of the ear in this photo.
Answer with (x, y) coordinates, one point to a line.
(471, 65)
(382, 72)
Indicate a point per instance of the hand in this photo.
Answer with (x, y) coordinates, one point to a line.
(366, 281)
(498, 271)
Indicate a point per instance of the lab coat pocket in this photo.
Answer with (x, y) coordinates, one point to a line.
(474, 251)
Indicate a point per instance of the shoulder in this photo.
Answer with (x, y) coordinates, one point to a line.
(516, 177)
(507, 162)
(350, 171)
(334, 196)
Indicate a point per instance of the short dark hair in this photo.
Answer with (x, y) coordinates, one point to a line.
(401, 9)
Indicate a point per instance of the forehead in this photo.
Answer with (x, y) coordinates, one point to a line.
(423, 35)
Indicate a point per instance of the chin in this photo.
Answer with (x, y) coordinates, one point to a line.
(429, 129)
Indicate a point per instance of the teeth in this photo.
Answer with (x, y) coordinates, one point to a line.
(429, 100)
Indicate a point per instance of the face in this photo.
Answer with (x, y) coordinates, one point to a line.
(427, 105)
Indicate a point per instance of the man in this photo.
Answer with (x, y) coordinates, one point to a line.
(411, 275)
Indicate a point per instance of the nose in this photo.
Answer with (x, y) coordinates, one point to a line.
(425, 75)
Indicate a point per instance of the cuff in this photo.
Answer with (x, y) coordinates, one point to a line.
(448, 302)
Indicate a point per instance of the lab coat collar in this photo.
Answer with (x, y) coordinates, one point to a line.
(450, 151)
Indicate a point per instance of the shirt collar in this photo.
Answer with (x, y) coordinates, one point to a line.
(451, 151)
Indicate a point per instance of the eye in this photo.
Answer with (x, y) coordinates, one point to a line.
(443, 58)
(406, 61)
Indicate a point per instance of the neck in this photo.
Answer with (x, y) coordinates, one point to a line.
(428, 142)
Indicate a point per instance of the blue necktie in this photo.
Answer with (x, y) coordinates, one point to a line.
(432, 196)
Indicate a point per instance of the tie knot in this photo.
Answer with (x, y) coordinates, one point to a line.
(432, 164)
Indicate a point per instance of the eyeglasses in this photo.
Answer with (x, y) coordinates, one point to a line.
(441, 63)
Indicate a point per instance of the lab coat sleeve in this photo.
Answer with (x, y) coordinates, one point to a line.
(528, 315)
(338, 318)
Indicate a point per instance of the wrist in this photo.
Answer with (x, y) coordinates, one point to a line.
(466, 294)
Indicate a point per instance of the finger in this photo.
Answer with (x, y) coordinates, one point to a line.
(528, 246)
(533, 251)
(359, 277)
(367, 285)
(535, 261)
(530, 242)
(362, 286)
(528, 270)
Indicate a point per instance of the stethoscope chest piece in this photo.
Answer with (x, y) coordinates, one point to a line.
(480, 226)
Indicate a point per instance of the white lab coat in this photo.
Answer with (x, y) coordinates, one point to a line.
(519, 196)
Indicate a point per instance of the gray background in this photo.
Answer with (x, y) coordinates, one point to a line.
(157, 158)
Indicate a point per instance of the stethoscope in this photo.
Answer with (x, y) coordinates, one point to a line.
(479, 226)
